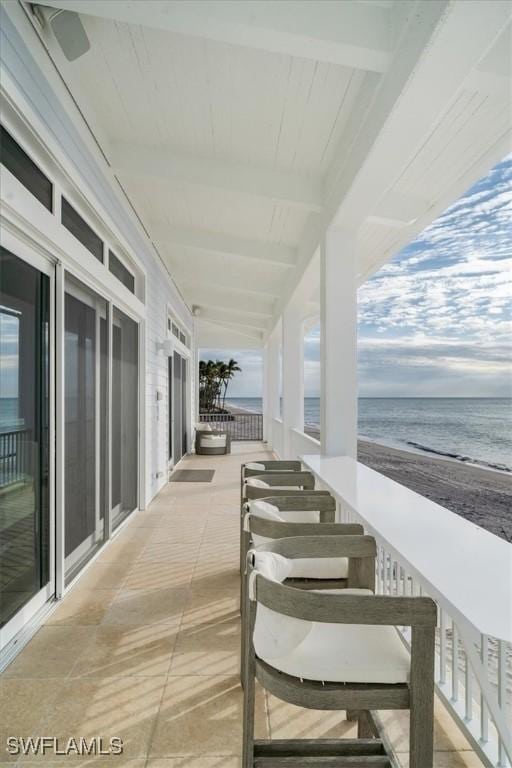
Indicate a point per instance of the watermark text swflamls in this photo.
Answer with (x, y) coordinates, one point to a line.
(42, 745)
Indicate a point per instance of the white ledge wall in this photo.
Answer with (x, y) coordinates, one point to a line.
(43, 100)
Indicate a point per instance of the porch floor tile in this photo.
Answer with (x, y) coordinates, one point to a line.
(146, 646)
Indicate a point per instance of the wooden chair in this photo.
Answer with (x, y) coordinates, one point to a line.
(252, 468)
(276, 483)
(286, 501)
(308, 574)
(336, 652)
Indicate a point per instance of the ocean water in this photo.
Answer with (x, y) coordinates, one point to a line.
(477, 430)
(9, 413)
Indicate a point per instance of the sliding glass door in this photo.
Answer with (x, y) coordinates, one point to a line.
(125, 415)
(25, 542)
(85, 434)
(97, 427)
(178, 403)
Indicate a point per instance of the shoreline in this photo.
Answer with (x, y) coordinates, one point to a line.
(313, 431)
(480, 494)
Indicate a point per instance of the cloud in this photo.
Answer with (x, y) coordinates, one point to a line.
(437, 319)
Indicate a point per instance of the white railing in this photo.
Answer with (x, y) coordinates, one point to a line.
(303, 444)
(277, 436)
(473, 674)
(471, 670)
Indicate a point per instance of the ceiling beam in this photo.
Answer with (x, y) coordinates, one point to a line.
(212, 337)
(150, 162)
(395, 210)
(253, 285)
(213, 295)
(432, 65)
(243, 332)
(221, 244)
(231, 317)
(350, 34)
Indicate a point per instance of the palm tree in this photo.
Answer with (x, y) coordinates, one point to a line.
(214, 378)
(232, 367)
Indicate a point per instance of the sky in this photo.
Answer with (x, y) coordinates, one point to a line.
(435, 321)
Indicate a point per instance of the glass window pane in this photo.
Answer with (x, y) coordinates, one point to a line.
(119, 270)
(85, 365)
(24, 440)
(81, 230)
(26, 171)
(184, 420)
(125, 415)
(177, 410)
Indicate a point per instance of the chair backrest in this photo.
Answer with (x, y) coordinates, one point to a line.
(270, 465)
(301, 481)
(318, 501)
(342, 608)
(360, 550)
(274, 529)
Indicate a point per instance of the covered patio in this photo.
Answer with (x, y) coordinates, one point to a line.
(146, 646)
(220, 175)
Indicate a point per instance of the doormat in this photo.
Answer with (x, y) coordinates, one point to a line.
(192, 476)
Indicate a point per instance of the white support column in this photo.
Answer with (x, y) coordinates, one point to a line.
(265, 392)
(271, 382)
(293, 373)
(338, 338)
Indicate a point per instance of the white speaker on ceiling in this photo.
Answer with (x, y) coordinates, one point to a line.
(67, 29)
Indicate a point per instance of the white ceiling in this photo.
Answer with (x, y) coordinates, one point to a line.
(240, 130)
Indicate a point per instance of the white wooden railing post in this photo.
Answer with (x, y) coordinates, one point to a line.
(338, 340)
(271, 384)
(293, 373)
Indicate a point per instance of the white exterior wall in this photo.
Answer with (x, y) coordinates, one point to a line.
(161, 298)
(34, 91)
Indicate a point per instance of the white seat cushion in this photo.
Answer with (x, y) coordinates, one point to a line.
(204, 427)
(256, 482)
(300, 515)
(255, 465)
(271, 512)
(264, 510)
(344, 653)
(319, 568)
(212, 441)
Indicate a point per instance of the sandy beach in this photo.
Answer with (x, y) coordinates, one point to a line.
(481, 495)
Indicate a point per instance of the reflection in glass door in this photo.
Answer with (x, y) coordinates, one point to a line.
(24, 434)
(176, 407)
(179, 407)
(125, 415)
(184, 440)
(85, 366)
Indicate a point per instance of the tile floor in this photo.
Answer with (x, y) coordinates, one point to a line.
(145, 647)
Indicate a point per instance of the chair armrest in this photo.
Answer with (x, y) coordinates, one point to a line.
(274, 529)
(317, 501)
(252, 493)
(322, 546)
(381, 610)
(303, 479)
(360, 550)
(273, 465)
